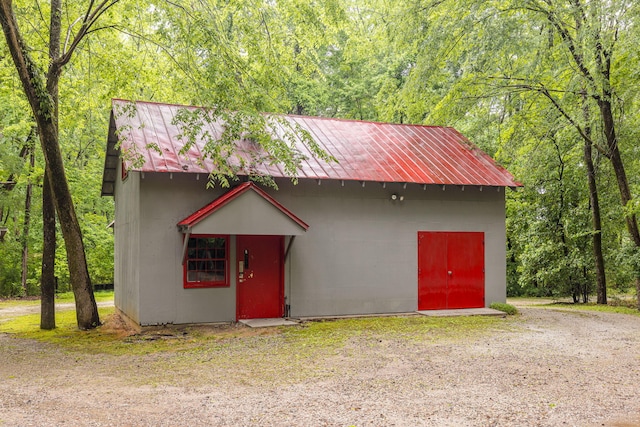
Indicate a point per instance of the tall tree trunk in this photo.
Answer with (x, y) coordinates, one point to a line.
(86, 307)
(48, 279)
(598, 79)
(594, 201)
(27, 213)
(43, 100)
(601, 280)
(606, 112)
(618, 168)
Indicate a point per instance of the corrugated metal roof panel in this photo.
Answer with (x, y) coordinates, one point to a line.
(366, 151)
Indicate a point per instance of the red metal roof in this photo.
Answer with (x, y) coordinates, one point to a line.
(231, 195)
(365, 151)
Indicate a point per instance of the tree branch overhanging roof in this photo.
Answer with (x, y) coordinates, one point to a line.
(365, 151)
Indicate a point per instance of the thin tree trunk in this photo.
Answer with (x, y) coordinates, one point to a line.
(601, 280)
(48, 279)
(27, 215)
(596, 220)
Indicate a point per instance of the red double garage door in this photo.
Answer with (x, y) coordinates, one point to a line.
(450, 270)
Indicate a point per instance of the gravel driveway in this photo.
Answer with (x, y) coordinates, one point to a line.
(545, 367)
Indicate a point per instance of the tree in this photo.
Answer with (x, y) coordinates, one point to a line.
(588, 34)
(27, 152)
(496, 61)
(16, 175)
(139, 40)
(48, 278)
(41, 90)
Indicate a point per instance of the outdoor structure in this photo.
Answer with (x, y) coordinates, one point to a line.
(408, 218)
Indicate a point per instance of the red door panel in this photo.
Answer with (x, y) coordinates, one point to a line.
(450, 270)
(432, 278)
(260, 286)
(465, 261)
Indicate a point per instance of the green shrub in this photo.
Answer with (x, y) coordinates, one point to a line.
(507, 308)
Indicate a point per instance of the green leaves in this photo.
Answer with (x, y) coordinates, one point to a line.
(244, 142)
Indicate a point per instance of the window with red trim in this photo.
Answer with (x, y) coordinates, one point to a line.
(207, 261)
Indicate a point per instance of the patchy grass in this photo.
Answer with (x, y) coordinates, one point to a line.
(595, 307)
(110, 338)
(505, 308)
(28, 326)
(322, 336)
(415, 328)
(623, 300)
(279, 355)
(100, 296)
(524, 301)
(18, 302)
(318, 349)
(63, 297)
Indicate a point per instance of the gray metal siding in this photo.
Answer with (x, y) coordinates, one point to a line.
(127, 245)
(359, 255)
(249, 214)
(164, 202)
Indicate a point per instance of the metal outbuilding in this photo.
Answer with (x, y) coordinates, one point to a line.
(408, 217)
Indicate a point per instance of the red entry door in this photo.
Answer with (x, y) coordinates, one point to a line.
(260, 285)
(450, 270)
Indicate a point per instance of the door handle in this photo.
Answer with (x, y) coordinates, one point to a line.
(246, 258)
(450, 273)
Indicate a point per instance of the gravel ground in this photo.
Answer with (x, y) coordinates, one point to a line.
(545, 367)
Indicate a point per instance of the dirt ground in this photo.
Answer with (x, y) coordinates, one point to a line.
(545, 367)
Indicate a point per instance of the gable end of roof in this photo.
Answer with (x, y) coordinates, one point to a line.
(227, 198)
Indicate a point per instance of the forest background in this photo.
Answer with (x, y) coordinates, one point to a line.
(549, 88)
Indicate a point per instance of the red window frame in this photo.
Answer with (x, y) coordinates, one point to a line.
(190, 261)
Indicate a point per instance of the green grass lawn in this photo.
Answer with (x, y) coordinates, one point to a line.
(63, 297)
(621, 304)
(620, 309)
(99, 295)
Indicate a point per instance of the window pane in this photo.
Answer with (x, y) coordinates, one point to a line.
(206, 260)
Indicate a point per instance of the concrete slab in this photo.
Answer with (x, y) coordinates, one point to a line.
(265, 323)
(462, 312)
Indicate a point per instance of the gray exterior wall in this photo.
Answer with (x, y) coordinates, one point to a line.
(359, 255)
(127, 245)
(164, 202)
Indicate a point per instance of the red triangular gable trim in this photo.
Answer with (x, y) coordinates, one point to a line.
(231, 195)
